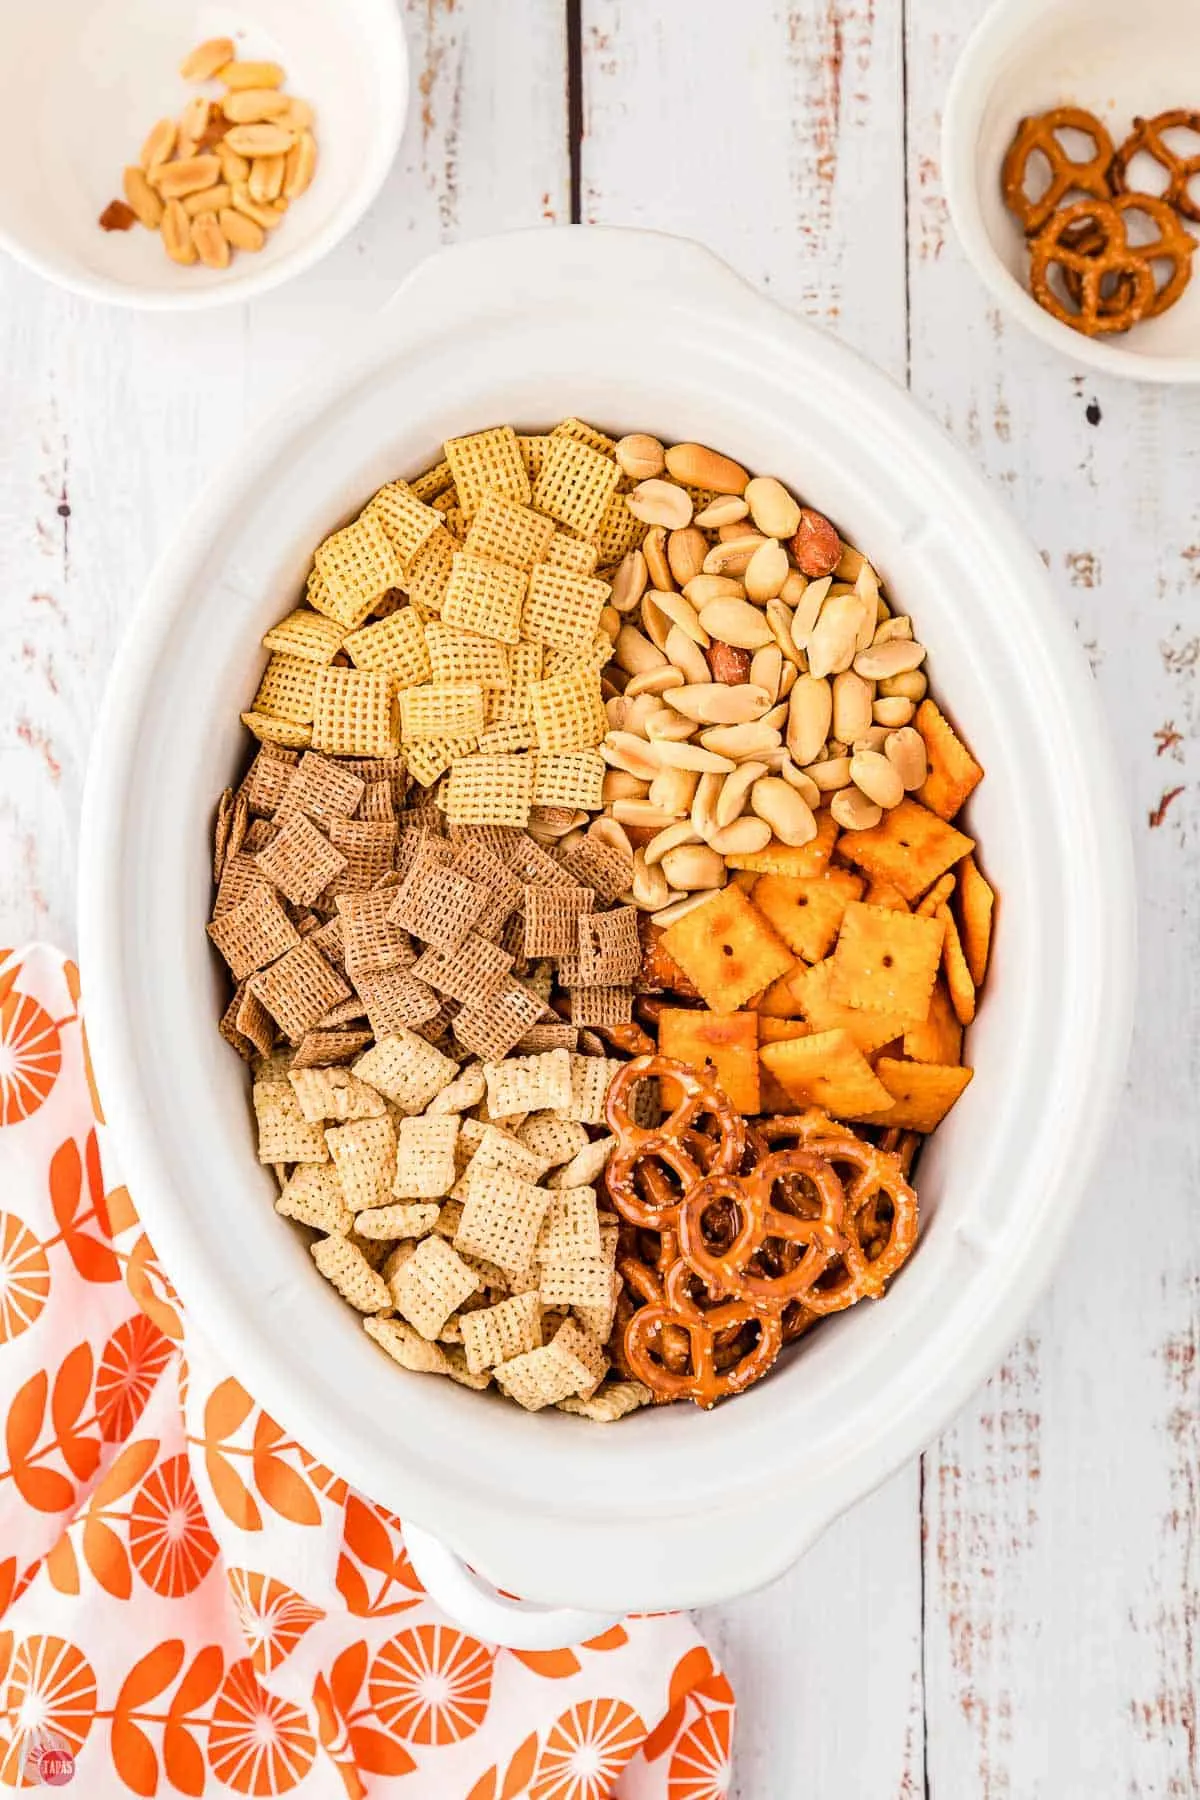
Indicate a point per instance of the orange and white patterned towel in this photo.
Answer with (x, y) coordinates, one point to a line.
(190, 1603)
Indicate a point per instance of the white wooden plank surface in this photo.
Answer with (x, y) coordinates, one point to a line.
(1018, 1619)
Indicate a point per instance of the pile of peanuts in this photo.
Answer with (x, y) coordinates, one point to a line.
(757, 675)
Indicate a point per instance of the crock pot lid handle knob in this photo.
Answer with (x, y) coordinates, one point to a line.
(481, 1610)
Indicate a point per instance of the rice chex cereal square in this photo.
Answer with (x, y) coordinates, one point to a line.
(492, 1334)
(407, 1068)
(425, 1165)
(502, 1216)
(431, 1285)
(528, 1084)
(364, 1154)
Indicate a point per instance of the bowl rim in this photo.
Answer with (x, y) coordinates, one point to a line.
(940, 1383)
(966, 98)
(384, 21)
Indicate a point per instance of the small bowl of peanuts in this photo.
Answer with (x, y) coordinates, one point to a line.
(176, 157)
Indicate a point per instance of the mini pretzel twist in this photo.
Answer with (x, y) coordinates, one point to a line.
(1066, 175)
(732, 1270)
(1111, 279)
(702, 1380)
(874, 1248)
(1147, 139)
(637, 1185)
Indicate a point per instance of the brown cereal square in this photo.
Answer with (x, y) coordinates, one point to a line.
(395, 998)
(436, 904)
(372, 941)
(552, 916)
(324, 1049)
(491, 1029)
(369, 847)
(599, 866)
(323, 789)
(266, 781)
(300, 860)
(253, 932)
(610, 950)
(472, 973)
(607, 1006)
(299, 989)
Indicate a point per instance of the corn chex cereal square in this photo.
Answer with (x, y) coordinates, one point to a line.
(431, 1284)
(575, 554)
(364, 1155)
(490, 790)
(590, 1078)
(298, 990)
(563, 610)
(346, 1268)
(487, 462)
(393, 646)
(300, 860)
(512, 705)
(528, 1084)
(501, 1218)
(354, 713)
(504, 532)
(485, 597)
(493, 1334)
(427, 574)
(283, 732)
(335, 1094)
(312, 1195)
(357, 566)
(458, 655)
(305, 633)
(287, 688)
(284, 1134)
(253, 932)
(574, 780)
(446, 709)
(425, 1165)
(430, 757)
(575, 484)
(432, 482)
(568, 712)
(407, 1068)
(407, 520)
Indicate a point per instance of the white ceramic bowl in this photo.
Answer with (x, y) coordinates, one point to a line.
(82, 82)
(1115, 60)
(672, 1506)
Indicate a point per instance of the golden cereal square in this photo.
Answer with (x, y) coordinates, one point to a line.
(575, 484)
(723, 1044)
(305, 633)
(447, 709)
(504, 532)
(427, 574)
(583, 433)
(576, 554)
(563, 610)
(869, 1030)
(490, 790)
(953, 772)
(459, 655)
(910, 847)
(921, 1093)
(802, 861)
(357, 566)
(432, 483)
(408, 522)
(807, 911)
(485, 597)
(827, 1069)
(887, 961)
(395, 645)
(728, 949)
(568, 711)
(354, 713)
(487, 462)
(287, 688)
(617, 531)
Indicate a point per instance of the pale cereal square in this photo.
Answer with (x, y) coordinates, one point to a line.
(528, 1084)
(431, 1285)
(501, 1218)
(397, 1220)
(347, 1269)
(300, 860)
(336, 1094)
(426, 576)
(284, 1134)
(312, 1195)
(590, 1079)
(425, 1162)
(364, 1154)
(493, 1334)
(407, 1068)
(576, 554)
(407, 1347)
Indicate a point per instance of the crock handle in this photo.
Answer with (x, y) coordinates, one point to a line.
(478, 1607)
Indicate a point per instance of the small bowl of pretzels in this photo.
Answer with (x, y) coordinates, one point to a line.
(1071, 157)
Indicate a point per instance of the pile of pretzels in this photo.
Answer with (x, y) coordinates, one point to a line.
(737, 1235)
(1103, 258)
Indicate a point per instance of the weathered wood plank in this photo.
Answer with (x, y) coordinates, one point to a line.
(775, 134)
(120, 416)
(1063, 1514)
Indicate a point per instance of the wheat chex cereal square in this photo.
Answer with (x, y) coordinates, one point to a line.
(336, 1094)
(563, 610)
(431, 1285)
(369, 847)
(504, 532)
(493, 1334)
(330, 1048)
(346, 1268)
(485, 597)
(394, 646)
(372, 942)
(437, 904)
(425, 1165)
(307, 634)
(287, 688)
(266, 781)
(575, 484)
(474, 859)
(300, 860)
(407, 1068)
(407, 520)
(487, 462)
(395, 999)
(357, 566)
(489, 790)
(590, 1078)
(364, 1154)
(528, 1084)
(472, 973)
(322, 788)
(601, 1006)
(457, 655)
(610, 949)
(491, 1029)
(253, 931)
(575, 554)
(378, 801)
(575, 780)
(247, 1025)
(284, 1134)
(299, 989)
(501, 1218)
(600, 866)
(312, 1195)
(568, 712)
(559, 1036)
(552, 917)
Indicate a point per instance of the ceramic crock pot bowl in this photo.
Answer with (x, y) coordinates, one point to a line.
(672, 1506)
